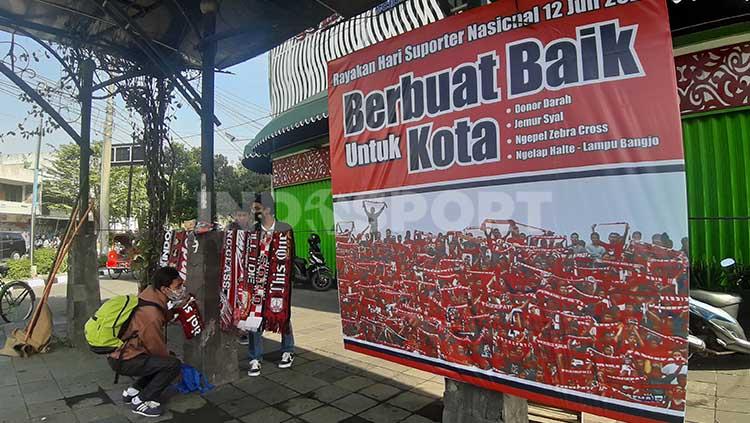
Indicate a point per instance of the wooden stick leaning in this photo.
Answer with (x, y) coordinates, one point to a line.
(67, 239)
(73, 228)
(58, 255)
(61, 253)
(65, 246)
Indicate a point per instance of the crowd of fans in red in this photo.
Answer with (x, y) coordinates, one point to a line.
(608, 319)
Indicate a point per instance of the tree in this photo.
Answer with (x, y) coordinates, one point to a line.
(61, 184)
(118, 194)
(234, 184)
(186, 183)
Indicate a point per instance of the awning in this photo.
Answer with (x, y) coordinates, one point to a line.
(244, 28)
(303, 122)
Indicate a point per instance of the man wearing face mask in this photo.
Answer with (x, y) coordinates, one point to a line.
(146, 355)
(263, 210)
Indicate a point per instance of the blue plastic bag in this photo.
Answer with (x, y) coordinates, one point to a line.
(192, 381)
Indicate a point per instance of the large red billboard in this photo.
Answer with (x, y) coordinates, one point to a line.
(510, 203)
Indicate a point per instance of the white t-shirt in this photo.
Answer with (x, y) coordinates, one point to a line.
(672, 369)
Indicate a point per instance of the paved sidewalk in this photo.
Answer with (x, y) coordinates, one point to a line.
(326, 384)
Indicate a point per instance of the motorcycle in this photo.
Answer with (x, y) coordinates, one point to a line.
(715, 318)
(317, 273)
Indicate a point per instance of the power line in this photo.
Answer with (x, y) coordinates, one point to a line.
(243, 117)
(231, 127)
(233, 98)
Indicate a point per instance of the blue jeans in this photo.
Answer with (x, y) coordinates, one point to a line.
(255, 347)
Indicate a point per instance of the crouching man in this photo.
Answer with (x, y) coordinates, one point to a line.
(145, 354)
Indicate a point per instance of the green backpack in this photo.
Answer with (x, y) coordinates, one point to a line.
(105, 328)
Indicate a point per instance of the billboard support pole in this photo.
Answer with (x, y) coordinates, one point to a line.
(466, 403)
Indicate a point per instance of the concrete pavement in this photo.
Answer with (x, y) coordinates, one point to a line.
(326, 384)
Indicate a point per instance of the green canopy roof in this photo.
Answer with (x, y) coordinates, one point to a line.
(311, 110)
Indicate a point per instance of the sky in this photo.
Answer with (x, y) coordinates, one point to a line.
(242, 105)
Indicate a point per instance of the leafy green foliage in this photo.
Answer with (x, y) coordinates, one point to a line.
(19, 269)
(118, 193)
(61, 185)
(44, 258)
(234, 184)
(61, 180)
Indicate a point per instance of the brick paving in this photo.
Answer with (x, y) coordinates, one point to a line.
(326, 384)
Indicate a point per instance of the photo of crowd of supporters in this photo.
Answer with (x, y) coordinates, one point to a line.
(600, 311)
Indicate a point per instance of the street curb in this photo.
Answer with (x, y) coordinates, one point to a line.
(39, 282)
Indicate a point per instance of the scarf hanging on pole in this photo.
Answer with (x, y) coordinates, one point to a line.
(183, 239)
(227, 294)
(239, 272)
(166, 248)
(178, 251)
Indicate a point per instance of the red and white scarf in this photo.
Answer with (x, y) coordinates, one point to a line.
(268, 269)
(228, 291)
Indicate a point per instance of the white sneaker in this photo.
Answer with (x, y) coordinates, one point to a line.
(129, 394)
(254, 368)
(286, 360)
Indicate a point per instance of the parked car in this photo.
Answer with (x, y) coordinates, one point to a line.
(12, 245)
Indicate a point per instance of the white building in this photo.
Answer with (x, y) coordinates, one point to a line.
(16, 189)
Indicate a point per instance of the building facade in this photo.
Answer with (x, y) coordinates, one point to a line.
(16, 188)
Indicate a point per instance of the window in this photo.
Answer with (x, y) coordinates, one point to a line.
(138, 154)
(121, 155)
(12, 193)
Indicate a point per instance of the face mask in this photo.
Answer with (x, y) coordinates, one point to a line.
(178, 294)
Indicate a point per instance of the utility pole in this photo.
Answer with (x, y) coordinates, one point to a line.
(35, 195)
(104, 180)
(83, 294)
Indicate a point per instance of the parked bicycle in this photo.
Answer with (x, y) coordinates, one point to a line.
(17, 299)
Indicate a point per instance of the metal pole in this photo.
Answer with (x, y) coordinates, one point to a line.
(87, 76)
(207, 201)
(35, 193)
(104, 179)
(129, 206)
